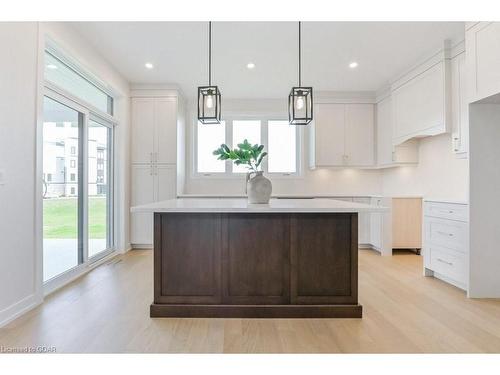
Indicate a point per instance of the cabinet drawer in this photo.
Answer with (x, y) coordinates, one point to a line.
(448, 263)
(450, 211)
(446, 233)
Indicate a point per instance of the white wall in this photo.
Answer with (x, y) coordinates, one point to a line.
(18, 108)
(21, 71)
(320, 181)
(438, 175)
(484, 277)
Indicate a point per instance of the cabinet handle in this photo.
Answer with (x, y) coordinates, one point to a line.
(444, 261)
(445, 234)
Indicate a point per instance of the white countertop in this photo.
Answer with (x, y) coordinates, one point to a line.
(282, 196)
(242, 205)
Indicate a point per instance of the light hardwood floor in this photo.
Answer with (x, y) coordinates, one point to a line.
(108, 311)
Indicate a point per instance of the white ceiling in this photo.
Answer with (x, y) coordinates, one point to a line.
(179, 52)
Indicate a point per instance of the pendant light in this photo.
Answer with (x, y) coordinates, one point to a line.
(209, 97)
(300, 100)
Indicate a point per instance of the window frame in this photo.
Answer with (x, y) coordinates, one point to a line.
(228, 173)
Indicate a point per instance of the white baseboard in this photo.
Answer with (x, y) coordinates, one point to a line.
(17, 309)
(141, 246)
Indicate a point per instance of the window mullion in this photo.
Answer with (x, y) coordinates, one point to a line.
(264, 125)
(229, 141)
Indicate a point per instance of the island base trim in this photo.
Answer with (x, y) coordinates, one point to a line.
(255, 311)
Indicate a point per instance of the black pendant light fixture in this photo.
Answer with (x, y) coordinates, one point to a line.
(300, 100)
(209, 97)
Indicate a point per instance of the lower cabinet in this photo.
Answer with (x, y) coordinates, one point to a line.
(445, 249)
(150, 183)
(255, 259)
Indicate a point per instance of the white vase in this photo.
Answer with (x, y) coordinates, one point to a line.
(258, 188)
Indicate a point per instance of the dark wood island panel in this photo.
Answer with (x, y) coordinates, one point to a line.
(256, 265)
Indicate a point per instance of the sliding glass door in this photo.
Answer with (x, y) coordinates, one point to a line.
(77, 187)
(62, 174)
(99, 187)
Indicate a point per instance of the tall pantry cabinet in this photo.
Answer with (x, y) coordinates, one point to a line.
(156, 153)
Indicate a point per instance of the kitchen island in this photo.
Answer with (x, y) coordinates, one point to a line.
(291, 258)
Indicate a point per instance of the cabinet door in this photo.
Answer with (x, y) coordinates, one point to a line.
(165, 182)
(166, 130)
(329, 134)
(384, 132)
(324, 263)
(363, 223)
(459, 106)
(359, 137)
(143, 130)
(187, 266)
(483, 59)
(142, 192)
(256, 259)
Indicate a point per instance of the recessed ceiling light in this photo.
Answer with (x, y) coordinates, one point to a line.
(250, 65)
(51, 66)
(149, 65)
(353, 65)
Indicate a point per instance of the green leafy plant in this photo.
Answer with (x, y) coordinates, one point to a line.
(245, 154)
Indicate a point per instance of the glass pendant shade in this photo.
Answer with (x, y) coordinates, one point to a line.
(300, 106)
(209, 105)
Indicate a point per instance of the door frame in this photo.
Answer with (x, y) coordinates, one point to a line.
(85, 263)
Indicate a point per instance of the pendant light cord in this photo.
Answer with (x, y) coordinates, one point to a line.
(210, 53)
(300, 78)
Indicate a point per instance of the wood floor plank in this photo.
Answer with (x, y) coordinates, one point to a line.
(107, 310)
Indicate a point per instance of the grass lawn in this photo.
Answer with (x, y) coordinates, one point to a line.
(60, 218)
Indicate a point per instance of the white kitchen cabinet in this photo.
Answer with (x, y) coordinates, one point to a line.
(154, 130)
(327, 135)
(359, 134)
(421, 103)
(389, 155)
(166, 130)
(446, 242)
(342, 135)
(482, 45)
(142, 192)
(363, 224)
(150, 183)
(459, 107)
(143, 130)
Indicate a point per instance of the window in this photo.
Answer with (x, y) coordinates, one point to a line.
(249, 130)
(282, 147)
(73, 150)
(73, 177)
(64, 76)
(72, 163)
(49, 177)
(278, 137)
(210, 137)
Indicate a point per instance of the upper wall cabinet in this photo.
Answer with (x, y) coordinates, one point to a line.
(421, 103)
(342, 135)
(482, 45)
(459, 107)
(389, 155)
(154, 130)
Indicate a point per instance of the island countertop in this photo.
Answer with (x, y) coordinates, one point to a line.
(242, 205)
